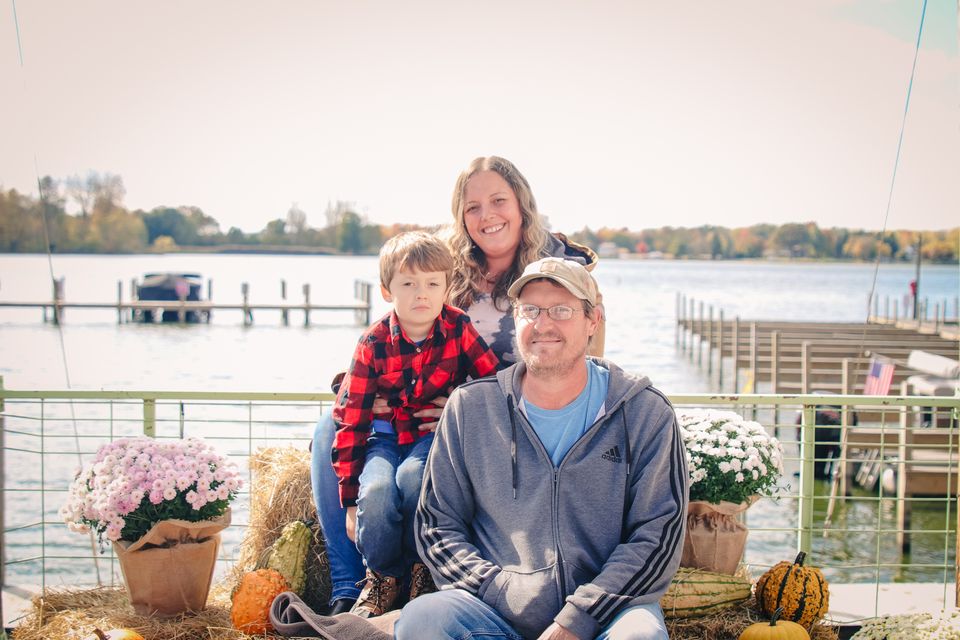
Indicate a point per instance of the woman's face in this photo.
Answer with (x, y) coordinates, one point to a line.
(491, 214)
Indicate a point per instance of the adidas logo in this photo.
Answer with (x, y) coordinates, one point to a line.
(613, 455)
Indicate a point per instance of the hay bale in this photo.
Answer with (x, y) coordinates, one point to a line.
(730, 623)
(281, 493)
(72, 614)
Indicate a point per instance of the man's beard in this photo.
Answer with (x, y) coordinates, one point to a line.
(556, 367)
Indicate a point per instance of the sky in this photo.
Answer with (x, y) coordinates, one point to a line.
(627, 113)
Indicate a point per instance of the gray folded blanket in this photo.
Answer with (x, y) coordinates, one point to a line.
(290, 616)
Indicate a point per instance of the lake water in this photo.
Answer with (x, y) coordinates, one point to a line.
(640, 297)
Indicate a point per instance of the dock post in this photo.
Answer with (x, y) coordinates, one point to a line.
(876, 306)
(206, 317)
(845, 389)
(904, 466)
(247, 314)
(710, 341)
(683, 328)
(691, 320)
(736, 354)
(886, 309)
(676, 327)
(807, 464)
(58, 295)
(775, 373)
(119, 301)
(306, 304)
(181, 312)
(284, 315)
(133, 298)
(361, 291)
(805, 372)
(720, 353)
(936, 318)
(700, 334)
(896, 311)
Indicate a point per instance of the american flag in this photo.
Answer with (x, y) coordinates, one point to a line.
(879, 378)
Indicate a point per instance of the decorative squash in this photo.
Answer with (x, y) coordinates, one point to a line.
(288, 555)
(250, 612)
(694, 592)
(801, 592)
(776, 629)
(115, 634)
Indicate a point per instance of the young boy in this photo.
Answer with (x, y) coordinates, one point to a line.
(419, 351)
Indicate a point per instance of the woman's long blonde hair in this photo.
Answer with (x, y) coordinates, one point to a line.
(469, 262)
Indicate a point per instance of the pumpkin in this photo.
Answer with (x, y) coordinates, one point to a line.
(694, 592)
(115, 634)
(250, 612)
(776, 629)
(801, 592)
(288, 555)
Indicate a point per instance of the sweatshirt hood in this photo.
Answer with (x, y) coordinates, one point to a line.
(560, 246)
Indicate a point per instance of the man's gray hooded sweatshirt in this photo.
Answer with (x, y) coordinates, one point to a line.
(575, 544)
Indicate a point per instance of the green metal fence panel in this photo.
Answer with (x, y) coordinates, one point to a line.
(891, 532)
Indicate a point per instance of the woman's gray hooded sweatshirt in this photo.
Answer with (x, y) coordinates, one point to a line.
(575, 544)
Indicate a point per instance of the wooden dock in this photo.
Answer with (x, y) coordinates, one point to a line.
(800, 357)
(54, 310)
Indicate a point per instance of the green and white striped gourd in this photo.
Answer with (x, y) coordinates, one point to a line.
(695, 592)
(288, 554)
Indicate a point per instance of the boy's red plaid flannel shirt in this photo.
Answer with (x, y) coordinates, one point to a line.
(408, 376)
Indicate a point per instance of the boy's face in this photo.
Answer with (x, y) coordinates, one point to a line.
(417, 297)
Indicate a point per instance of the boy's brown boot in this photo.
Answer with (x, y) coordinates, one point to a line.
(421, 581)
(378, 595)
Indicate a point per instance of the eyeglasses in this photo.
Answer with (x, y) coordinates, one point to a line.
(557, 312)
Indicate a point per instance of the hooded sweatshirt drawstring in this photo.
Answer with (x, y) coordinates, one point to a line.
(513, 446)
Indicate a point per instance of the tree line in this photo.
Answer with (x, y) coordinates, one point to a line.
(101, 224)
(792, 240)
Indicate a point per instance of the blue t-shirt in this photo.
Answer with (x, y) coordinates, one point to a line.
(559, 429)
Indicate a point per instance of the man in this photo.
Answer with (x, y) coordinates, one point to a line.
(554, 499)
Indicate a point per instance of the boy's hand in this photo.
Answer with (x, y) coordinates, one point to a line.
(351, 523)
(431, 415)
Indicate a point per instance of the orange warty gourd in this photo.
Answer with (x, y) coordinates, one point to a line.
(115, 634)
(776, 629)
(802, 592)
(250, 612)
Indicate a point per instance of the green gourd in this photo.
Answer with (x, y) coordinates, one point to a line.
(288, 555)
(694, 592)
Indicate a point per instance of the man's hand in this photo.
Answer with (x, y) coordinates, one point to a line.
(556, 632)
(351, 523)
(432, 414)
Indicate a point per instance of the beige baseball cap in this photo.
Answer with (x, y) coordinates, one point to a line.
(572, 275)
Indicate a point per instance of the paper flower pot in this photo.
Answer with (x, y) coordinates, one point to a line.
(715, 539)
(169, 570)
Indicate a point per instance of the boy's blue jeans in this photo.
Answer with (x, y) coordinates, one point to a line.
(389, 492)
(454, 613)
(346, 565)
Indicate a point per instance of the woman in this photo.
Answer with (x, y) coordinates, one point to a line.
(497, 232)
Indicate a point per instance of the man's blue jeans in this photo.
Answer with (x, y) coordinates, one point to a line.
(389, 491)
(454, 613)
(346, 565)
